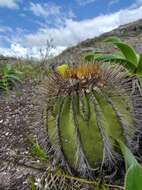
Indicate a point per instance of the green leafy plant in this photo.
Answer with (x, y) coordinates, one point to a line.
(39, 152)
(88, 107)
(133, 178)
(126, 56)
(9, 77)
(32, 183)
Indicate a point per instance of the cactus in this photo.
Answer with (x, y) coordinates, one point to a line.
(89, 108)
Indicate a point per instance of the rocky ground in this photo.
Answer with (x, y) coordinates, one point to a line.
(18, 124)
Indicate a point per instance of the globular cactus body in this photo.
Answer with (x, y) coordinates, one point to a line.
(91, 109)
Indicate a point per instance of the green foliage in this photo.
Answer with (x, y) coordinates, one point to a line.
(113, 58)
(32, 183)
(128, 156)
(9, 77)
(126, 56)
(127, 51)
(139, 68)
(113, 39)
(133, 178)
(38, 152)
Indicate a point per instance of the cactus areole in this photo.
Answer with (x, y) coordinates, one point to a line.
(90, 107)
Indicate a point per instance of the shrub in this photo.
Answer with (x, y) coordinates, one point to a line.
(9, 77)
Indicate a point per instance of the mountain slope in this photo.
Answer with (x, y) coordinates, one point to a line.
(130, 33)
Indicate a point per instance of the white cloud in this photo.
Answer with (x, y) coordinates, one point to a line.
(139, 1)
(2, 30)
(50, 13)
(130, 15)
(136, 4)
(112, 2)
(73, 31)
(17, 50)
(5, 29)
(70, 32)
(85, 2)
(11, 4)
(45, 9)
(71, 14)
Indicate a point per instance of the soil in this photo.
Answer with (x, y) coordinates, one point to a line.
(18, 125)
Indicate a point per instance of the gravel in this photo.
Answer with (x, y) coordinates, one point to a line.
(19, 123)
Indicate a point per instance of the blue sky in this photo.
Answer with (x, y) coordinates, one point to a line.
(26, 25)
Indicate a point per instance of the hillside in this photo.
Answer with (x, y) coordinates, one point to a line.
(130, 33)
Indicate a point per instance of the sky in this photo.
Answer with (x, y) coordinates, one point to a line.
(27, 26)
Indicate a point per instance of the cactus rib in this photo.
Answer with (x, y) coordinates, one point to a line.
(90, 108)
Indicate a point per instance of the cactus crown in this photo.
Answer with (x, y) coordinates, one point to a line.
(92, 107)
(84, 78)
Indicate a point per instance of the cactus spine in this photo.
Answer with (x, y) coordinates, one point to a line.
(90, 107)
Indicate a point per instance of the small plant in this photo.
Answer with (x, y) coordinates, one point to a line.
(126, 56)
(133, 178)
(38, 152)
(9, 77)
(89, 108)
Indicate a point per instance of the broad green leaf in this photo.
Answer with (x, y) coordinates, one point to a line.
(13, 77)
(112, 39)
(108, 57)
(115, 59)
(139, 68)
(98, 55)
(128, 156)
(128, 52)
(89, 57)
(133, 179)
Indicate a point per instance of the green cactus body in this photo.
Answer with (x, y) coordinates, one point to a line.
(83, 125)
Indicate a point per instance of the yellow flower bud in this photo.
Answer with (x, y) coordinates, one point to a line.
(62, 68)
